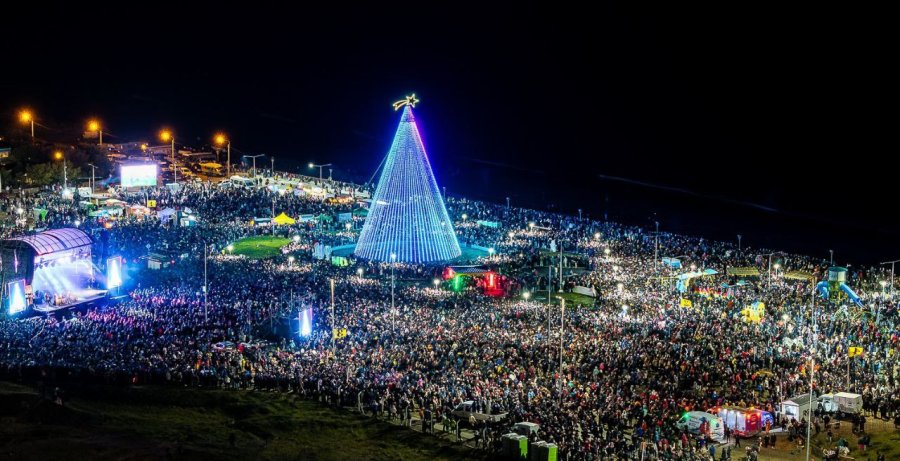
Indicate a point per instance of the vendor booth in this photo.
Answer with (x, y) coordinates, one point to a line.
(744, 421)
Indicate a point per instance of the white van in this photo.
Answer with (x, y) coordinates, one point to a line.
(692, 420)
(841, 402)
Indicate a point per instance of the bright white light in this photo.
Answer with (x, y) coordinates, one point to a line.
(19, 210)
(348, 226)
(597, 236)
(290, 259)
(620, 286)
(465, 216)
(296, 238)
(359, 272)
(777, 266)
(883, 283)
(491, 251)
(526, 295)
(606, 251)
(531, 225)
(77, 223)
(230, 247)
(138, 175)
(436, 282)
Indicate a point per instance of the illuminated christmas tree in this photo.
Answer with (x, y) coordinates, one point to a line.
(407, 217)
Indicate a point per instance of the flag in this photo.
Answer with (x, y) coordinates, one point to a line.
(854, 352)
(686, 302)
(338, 333)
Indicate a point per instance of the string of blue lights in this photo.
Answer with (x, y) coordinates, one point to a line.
(407, 216)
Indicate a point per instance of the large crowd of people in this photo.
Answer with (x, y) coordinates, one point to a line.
(605, 378)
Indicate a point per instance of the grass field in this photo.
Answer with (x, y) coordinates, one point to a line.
(260, 247)
(108, 423)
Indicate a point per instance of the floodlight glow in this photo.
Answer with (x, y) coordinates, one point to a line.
(408, 216)
(113, 272)
(17, 300)
(305, 322)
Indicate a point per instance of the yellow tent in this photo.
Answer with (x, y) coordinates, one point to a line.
(283, 219)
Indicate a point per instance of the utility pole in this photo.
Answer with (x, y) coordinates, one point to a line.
(562, 330)
(656, 247)
(393, 311)
(812, 369)
(205, 280)
(560, 265)
(332, 317)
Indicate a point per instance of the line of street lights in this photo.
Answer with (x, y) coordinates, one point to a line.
(167, 135)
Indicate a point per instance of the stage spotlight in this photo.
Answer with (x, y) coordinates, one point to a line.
(305, 322)
(113, 272)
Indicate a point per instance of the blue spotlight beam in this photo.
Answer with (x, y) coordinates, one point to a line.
(408, 216)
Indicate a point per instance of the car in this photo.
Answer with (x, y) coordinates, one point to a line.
(466, 410)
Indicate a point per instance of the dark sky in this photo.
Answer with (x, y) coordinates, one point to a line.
(779, 109)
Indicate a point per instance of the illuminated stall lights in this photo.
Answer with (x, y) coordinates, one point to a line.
(407, 216)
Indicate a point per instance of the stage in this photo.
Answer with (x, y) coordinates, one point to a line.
(80, 298)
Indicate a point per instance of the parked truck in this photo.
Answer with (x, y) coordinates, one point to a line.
(841, 403)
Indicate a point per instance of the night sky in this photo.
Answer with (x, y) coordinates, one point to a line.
(770, 123)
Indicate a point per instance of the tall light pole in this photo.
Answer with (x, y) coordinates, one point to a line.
(881, 305)
(220, 139)
(93, 180)
(892, 263)
(393, 312)
(332, 316)
(26, 116)
(562, 331)
(831, 253)
(58, 155)
(313, 165)
(739, 241)
(205, 280)
(254, 164)
(167, 136)
(272, 157)
(769, 270)
(94, 126)
(812, 368)
(656, 247)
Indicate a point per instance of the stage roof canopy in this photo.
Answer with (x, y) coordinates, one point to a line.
(55, 240)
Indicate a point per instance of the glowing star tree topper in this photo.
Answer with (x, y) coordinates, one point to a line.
(407, 216)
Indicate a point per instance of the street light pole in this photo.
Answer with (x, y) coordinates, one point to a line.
(313, 165)
(205, 280)
(831, 252)
(332, 317)
(656, 247)
(254, 166)
(562, 330)
(272, 157)
(93, 179)
(812, 369)
(393, 312)
(739, 241)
